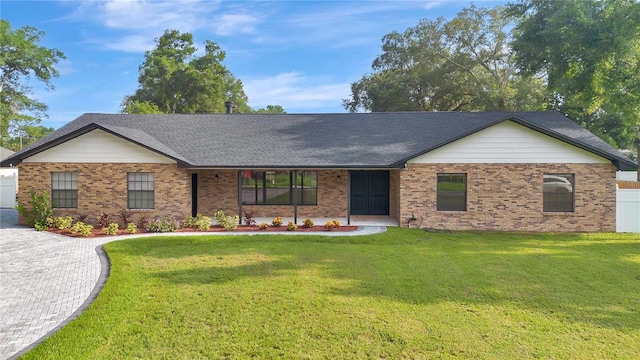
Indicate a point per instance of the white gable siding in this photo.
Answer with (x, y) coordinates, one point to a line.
(508, 143)
(98, 146)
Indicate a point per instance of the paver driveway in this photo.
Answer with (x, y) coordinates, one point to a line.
(44, 279)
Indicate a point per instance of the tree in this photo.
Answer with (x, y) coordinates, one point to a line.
(21, 57)
(139, 107)
(270, 109)
(174, 80)
(589, 52)
(464, 64)
(24, 133)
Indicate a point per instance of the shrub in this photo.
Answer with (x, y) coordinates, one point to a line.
(264, 226)
(227, 222)
(126, 217)
(277, 221)
(203, 223)
(82, 218)
(190, 221)
(132, 228)
(60, 222)
(162, 225)
(249, 219)
(291, 226)
(82, 228)
(38, 211)
(336, 223)
(307, 223)
(103, 220)
(111, 229)
(143, 221)
(329, 225)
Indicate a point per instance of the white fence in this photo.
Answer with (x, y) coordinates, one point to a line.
(627, 175)
(628, 210)
(7, 191)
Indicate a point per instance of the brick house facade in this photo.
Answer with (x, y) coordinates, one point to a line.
(492, 176)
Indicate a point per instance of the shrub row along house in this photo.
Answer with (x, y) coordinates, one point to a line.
(529, 171)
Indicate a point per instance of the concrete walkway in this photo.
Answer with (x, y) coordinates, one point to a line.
(46, 280)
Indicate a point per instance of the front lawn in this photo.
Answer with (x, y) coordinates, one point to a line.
(402, 294)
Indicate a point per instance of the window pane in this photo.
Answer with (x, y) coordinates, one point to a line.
(278, 187)
(64, 189)
(558, 192)
(307, 191)
(140, 190)
(452, 192)
(248, 189)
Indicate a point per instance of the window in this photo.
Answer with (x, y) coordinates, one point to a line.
(64, 189)
(452, 192)
(557, 192)
(306, 184)
(279, 187)
(140, 189)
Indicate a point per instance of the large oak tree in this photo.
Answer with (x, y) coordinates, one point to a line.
(589, 52)
(464, 64)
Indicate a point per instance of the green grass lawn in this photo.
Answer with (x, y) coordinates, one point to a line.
(402, 294)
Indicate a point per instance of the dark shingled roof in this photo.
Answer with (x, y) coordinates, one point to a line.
(361, 140)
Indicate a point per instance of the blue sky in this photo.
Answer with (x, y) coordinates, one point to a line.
(302, 55)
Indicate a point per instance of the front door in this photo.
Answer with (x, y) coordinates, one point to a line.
(369, 192)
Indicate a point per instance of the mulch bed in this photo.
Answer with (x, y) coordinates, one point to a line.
(241, 228)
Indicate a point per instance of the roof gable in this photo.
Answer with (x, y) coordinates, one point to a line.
(508, 142)
(98, 146)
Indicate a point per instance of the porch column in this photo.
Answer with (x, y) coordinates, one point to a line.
(348, 197)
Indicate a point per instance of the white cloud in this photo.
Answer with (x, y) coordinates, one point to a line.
(294, 91)
(136, 23)
(64, 67)
(185, 15)
(131, 43)
(229, 24)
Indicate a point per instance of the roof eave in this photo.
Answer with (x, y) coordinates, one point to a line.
(290, 167)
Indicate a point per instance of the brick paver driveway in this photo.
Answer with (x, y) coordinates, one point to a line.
(44, 280)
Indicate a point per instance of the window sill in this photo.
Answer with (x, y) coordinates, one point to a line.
(558, 213)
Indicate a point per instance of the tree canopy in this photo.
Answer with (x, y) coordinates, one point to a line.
(175, 80)
(22, 57)
(589, 52)
(579, 57)
(270, 109)
(464, 64)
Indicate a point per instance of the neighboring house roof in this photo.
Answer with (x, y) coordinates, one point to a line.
(350, 140)
(5, 153)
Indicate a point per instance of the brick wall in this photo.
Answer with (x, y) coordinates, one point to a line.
(509, 197)
(223, 195)
(103, 188)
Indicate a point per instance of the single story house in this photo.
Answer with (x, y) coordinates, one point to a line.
(527, 171)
